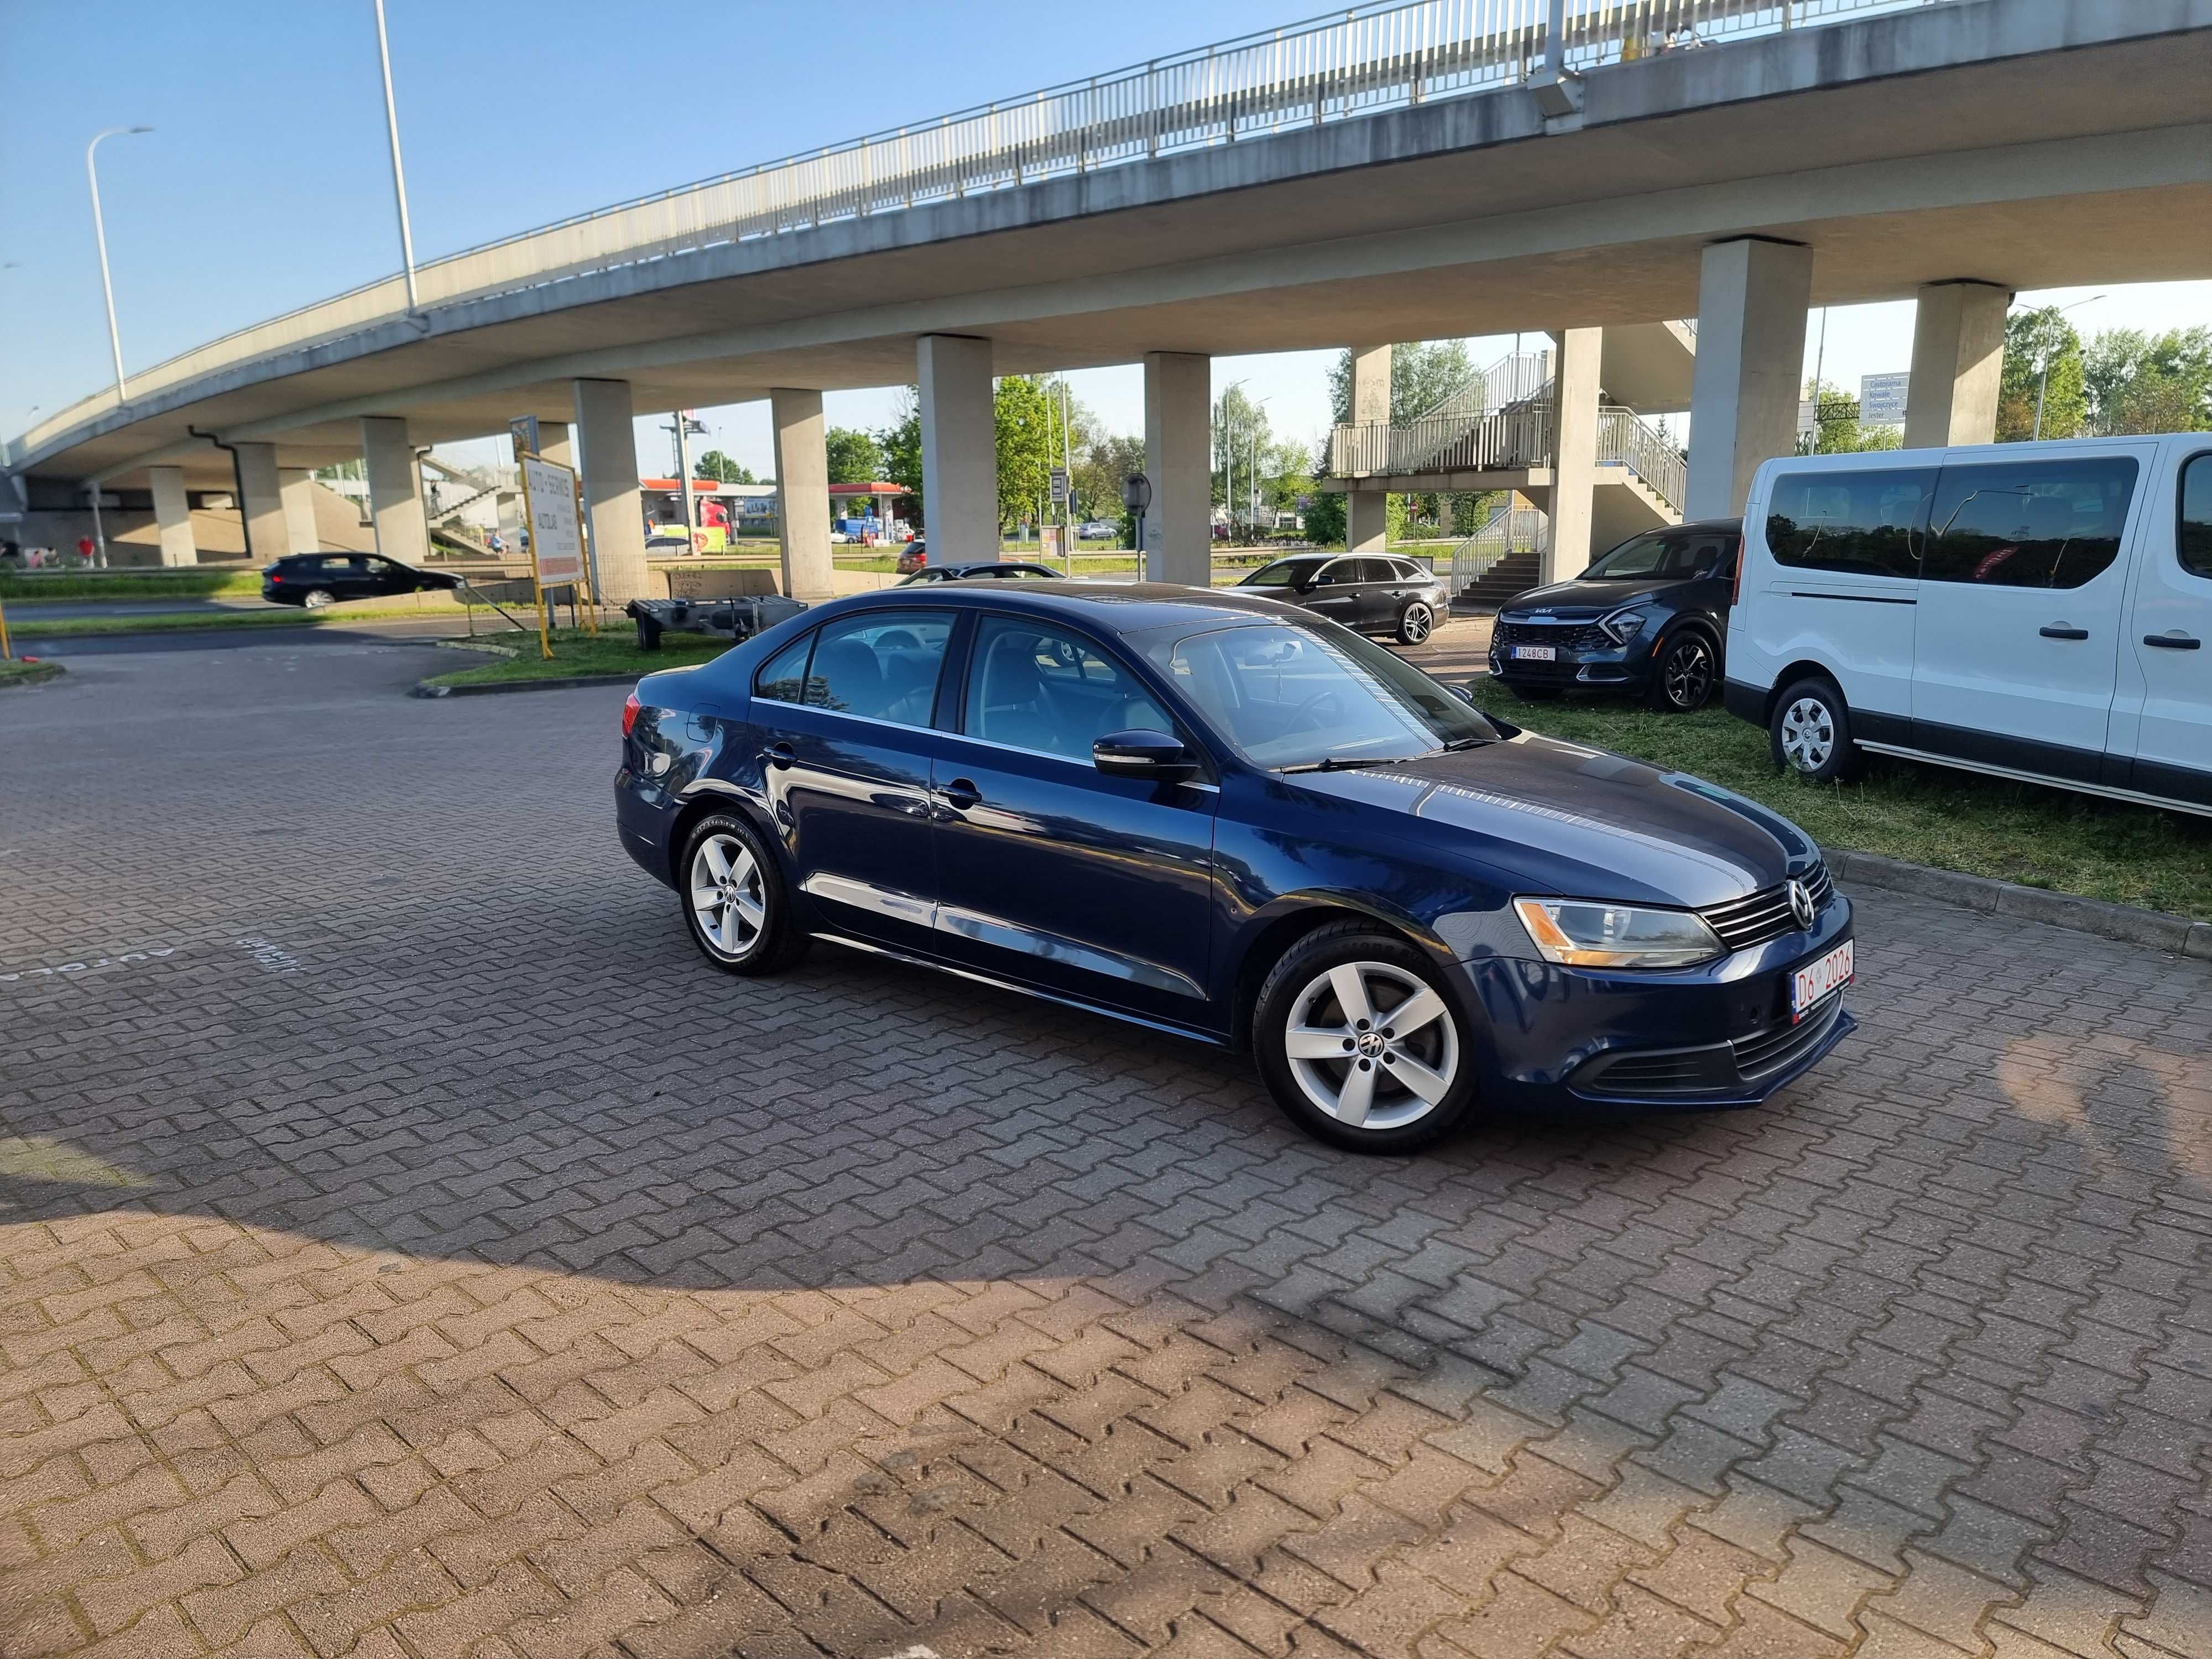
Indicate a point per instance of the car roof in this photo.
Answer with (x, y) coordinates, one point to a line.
(1110, 607)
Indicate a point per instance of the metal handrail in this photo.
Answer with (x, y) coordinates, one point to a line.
(1385, 55)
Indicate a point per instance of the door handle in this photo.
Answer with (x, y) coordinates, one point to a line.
(2061, 631)
(780, 754)
(960, 794)
(2171, 641)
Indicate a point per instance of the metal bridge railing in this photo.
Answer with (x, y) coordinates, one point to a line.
(1387, 54)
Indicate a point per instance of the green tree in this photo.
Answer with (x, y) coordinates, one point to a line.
(854, 457)
(1423, 374)
(1027, 433)
(2136, 382)
(899, 446)
(2032, 338)
(1100, 470)
(720, 467)
(1836, 426)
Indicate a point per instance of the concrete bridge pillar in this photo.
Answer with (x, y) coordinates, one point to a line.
(1179, 460)
(1367, 512)
(172, 515)
(802, 484)
(555, 443)
(1958, 360)
(604, 417)
(296, 484)
(1574, 452)
(266, 534)
(959, 449)
(395, 489)
(1752, 298)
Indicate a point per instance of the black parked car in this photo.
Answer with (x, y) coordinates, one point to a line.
(1650, 618)
(315, 579)
(1005, 568)
(1219, 814)
(1369, 592)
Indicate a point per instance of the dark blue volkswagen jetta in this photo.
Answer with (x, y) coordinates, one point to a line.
(1223, 816)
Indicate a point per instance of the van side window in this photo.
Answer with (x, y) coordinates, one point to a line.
(1868, 524)
(2193, 537)
(2029, 524)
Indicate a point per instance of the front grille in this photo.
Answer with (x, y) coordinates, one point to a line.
(1579, 636)
(1744, 922)
(1764, 1053)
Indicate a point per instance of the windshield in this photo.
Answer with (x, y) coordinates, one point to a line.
(1283, 573)
(1287, 695)
(1660, 554)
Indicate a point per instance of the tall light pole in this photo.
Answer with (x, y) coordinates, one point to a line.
(100, 235)
(398, 172)
(2043, 375)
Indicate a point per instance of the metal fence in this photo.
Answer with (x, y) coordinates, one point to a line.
(1626, 439)
(1509, 529)
(1354, 63)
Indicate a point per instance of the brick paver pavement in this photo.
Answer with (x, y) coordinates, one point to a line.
(409, 1249)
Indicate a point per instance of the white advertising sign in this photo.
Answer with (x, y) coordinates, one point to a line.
(556, 539)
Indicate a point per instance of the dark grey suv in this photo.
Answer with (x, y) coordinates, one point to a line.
(1373, 593)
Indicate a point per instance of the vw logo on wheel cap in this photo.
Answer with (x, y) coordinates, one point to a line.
(1801, 903)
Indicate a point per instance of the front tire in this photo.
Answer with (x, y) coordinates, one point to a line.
(1810, 732)
(735, 904)
(1359, 1043)
(1415, 623)
(1684, 671)
(318, 597)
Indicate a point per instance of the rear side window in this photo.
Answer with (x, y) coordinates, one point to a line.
(2193, 539)
(782, 678)
(2029, 524)
(879, 666)
(1867, 523)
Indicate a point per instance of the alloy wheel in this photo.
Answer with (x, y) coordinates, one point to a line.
(726, 897)
(1688, 674)
(1808, 734)
(318, 597)
(1372, 1045)
(1416, 625)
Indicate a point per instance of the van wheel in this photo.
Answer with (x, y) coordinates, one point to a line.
(1811, 732)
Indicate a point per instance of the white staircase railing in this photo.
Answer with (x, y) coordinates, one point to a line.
(1509, 529)
(1626, 439)
(1514, 439)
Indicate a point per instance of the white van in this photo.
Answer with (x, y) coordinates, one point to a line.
(2039, 612)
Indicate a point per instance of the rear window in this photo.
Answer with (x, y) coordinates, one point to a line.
(1862, 523)
(2194, 539)
(2029, 524)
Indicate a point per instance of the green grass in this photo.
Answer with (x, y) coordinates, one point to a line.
(575, 652)
(2039, 837)
(32, 586)
(192, 621)
(14, 671)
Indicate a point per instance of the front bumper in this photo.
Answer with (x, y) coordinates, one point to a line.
(1716, 1036)
(1626, 665)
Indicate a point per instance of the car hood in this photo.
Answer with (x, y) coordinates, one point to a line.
(1582, 600)
(1547, 816)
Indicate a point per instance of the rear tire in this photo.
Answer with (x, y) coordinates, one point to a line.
(1810, 732)
(318, 597)
(734, 902)
(1415, 623)
(1360, 1044)
(1684, 671)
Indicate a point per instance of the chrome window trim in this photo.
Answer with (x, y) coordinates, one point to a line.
(1091, 767)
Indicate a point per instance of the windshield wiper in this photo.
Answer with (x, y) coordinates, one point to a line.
(1458, 743)
(1344, 763)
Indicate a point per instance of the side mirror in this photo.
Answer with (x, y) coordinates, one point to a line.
(1465, 693)
(1156, 757)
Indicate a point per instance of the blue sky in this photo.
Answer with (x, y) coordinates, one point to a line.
(266, 182)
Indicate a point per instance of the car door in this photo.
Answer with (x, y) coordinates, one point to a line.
(2169, 637)
(1335, 592)
(2016, 650)
(844, 718)
(385, 577)
(1049, 872)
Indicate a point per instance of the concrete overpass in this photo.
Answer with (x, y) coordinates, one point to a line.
(1407, 172)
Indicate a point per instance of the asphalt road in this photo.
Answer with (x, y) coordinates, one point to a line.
(64, 647)
(408, 1246)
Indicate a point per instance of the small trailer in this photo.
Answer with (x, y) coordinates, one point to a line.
(738, 603)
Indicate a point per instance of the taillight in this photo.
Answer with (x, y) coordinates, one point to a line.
(1736, 587)
(630, 709)
(274, 578)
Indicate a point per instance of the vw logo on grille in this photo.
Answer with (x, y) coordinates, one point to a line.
(1801, 903)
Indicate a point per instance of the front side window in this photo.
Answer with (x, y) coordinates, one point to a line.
(782, 678)
(2193, 536)
(1283, 573)
(1861, 523)
(1284, 695)
(1032, 686)
(2029, 524)
(882, 665)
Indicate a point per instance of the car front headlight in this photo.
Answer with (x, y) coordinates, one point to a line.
(1622, 626)
(1592, 933)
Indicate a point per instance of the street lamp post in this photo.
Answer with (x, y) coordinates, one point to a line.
(398, 172)
(2043, 374)
(99, 235)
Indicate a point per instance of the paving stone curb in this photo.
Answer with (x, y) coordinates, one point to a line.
(565, 683)
(1994, 897)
